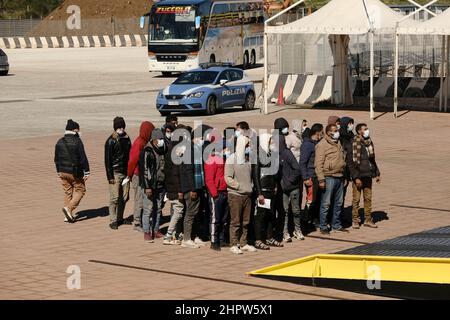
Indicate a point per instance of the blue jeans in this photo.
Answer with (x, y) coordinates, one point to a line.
(333, 192)
(155, 201)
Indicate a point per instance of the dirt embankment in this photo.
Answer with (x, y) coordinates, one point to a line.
(100, 17)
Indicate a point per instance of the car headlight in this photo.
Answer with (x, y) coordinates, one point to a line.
(192, 57)
(195, 95)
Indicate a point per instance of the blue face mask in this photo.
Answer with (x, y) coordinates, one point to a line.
(247, 151)
(366, 134)
(237, 133)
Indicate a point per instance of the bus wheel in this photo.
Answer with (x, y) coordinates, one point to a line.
(166, 74)
(211, 106)
(253, 58)
(212, 58)
(249, 101)
(245, 63)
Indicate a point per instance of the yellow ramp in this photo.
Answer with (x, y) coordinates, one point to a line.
(398, 275)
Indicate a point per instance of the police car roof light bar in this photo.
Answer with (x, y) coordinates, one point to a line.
(215, 64)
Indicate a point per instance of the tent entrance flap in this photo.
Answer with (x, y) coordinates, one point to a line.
(341, 85)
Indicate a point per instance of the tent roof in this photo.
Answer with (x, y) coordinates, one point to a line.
(345, 17)
(439, 25)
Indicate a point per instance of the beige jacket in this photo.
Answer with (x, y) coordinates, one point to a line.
(238, 170)
(329, 160)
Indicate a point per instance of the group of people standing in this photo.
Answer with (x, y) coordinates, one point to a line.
(233, 188)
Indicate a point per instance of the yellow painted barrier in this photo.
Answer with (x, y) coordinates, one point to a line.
(356, 267)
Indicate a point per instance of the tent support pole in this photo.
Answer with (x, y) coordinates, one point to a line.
(441, 92)
(372, 116)
(265, 84)
(446, 75)
(396, 76)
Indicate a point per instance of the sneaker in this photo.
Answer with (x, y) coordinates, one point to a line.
(158, 235)
(180, 236)
(65, 220)
(67, 214)
(189, 244)
(171, 240)
(340, 230)
(370, 224)
(236, 250)
(274, 243)
(298, 235)
(248, 248)
(148, 237)
(138, 228)
(261, 245)
(287, 237)
(200, 242)
(325, 232)
(215, 246)
(113, 225)
(355, 225)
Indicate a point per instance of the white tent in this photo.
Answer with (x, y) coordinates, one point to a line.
(437, 26)
(340, 17)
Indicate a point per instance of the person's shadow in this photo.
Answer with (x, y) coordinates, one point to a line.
(92, 213)
(377, 216)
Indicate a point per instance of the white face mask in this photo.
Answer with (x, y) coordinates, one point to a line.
(350, 128)
(227, 154)
(120, 131)
(247, 150)
(169, 135)
(238, 133)
(338, 126)
(366, 134)
(336, 135)
(160, 143)
(285, 131)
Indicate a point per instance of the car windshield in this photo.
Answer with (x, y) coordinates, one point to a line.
(197, 77)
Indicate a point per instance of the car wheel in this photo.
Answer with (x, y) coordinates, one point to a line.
(253, 58)
(164, 113)
(245, 63)
(211, 105)
(166, 74)
(249, 101)
(4, 73)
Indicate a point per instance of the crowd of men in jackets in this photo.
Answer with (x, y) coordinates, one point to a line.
(233, 188)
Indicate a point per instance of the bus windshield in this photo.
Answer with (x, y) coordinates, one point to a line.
(197, 77)
(173, 24)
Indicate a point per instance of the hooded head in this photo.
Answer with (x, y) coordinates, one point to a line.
(281, 123)
(145, 130)
(345, 121)
(344, 130)
(72, 125)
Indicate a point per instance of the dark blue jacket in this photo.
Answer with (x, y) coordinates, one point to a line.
(307, 157)
(290, 177)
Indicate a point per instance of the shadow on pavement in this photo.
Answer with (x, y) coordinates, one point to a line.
(92, 213)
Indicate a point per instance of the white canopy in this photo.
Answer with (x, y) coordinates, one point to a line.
(439, 25)
(345, 17)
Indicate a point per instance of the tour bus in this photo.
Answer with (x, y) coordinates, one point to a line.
(182, 34)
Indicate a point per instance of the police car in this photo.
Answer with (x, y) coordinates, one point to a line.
(208, 88)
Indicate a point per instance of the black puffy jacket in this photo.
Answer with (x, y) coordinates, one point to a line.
(172, 174)
(290, 174)
(71, 150)
(264, 180)
(117, 153)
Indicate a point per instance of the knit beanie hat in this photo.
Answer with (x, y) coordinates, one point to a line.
(281, 123)
(72, 125)
(157, 134)
(118, 123)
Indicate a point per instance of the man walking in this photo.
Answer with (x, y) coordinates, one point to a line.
(363, 168)
(72, 167)
(151, 181)
(329, 167)
(117, 152)
(133, 170)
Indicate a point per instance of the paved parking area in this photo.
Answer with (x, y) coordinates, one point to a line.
(38, 247)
